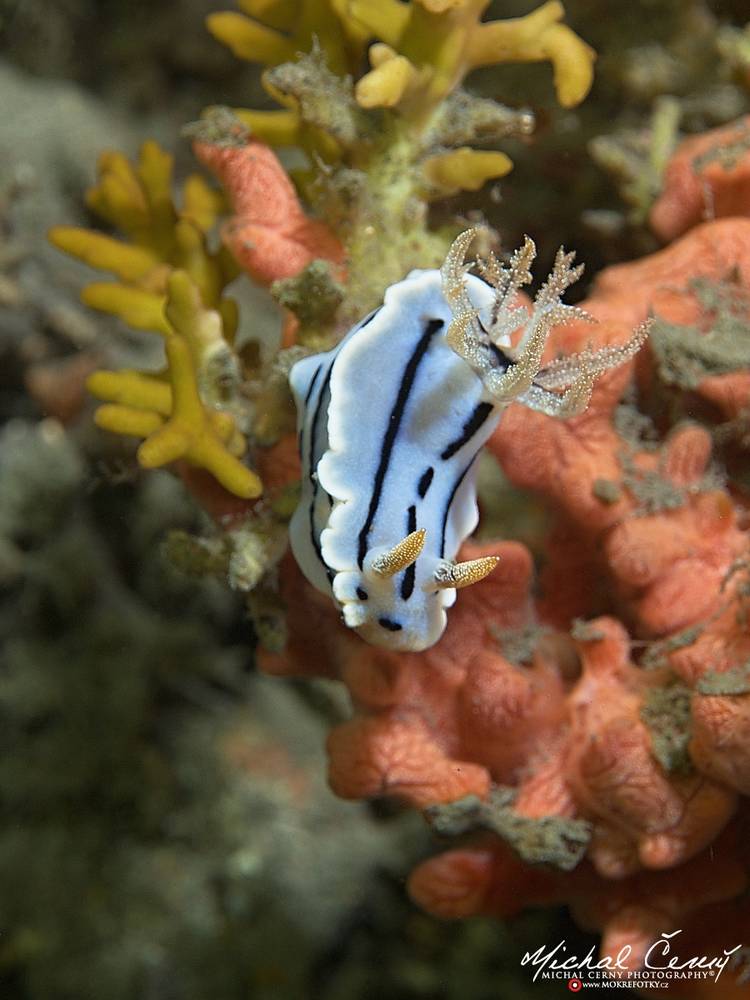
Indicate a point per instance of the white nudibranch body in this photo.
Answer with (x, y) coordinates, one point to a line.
(391, 421)
(390, 424)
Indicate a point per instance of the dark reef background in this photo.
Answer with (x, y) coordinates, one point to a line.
(166, 832)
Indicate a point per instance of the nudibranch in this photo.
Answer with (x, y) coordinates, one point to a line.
(391, 421)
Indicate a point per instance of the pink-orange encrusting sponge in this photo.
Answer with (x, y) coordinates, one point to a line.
(269, 235)
(708, 177)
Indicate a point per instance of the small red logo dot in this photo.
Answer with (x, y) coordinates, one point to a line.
(575, 985)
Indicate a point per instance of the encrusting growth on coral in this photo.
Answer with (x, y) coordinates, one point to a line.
(637, 160)
(551, 840)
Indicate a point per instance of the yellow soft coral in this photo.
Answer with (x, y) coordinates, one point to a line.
(160, 236)
(464, 169)
(274, 31)
(170, 282)
(422, 52)
(434, 43)
(168, 410)
(426, 49)
(535, 38)
(271, 32)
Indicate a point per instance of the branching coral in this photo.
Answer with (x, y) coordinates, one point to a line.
(632, 913)
(449, 724)
(275, 32)
(415, 77)
(428, 46)
(171, 283)
(172, 416)
(137, 200)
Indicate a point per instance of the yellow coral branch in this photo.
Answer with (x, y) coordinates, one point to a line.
(226, 429)
(128, 421)
(534, 38)
(249, 39)
(190, 434)
(184, 312)
(192, 257)
(132, 389)
(442, 40)
(277, 30)
(386, 19)
(201, 204)
(154, 171)
(441, 6)
(141, 309)
(465, 169)
(230, 319)
(572, 63)
(138, 200)
(503, 41)
(386, 84)
(278, 14)
(118, 197)
(131, 263)
(277, 128)
(171, 283)
(172, 416)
